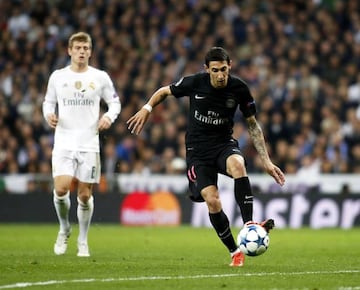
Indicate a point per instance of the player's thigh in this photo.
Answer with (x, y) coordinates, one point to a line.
(89, 167)
(231, 161)
(201, 172)
(63, 163)
(200, 177)
(63, 168)
(235, 166)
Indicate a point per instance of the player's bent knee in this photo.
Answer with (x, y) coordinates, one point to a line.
(235, 166)
(214, 204)
(84, 196)
(61, 191)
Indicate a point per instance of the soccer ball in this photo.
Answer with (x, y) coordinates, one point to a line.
(253, 240)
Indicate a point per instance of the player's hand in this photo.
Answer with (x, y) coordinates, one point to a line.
(104, 123)
(52, 120)
(137, 122)
(275, 172)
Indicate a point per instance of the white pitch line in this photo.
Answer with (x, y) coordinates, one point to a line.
(149, 278)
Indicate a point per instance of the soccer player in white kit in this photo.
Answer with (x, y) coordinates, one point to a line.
(72, 108)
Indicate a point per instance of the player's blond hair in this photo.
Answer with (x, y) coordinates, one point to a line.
(81, 37)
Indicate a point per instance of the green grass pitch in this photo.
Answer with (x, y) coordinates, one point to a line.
(176, 258)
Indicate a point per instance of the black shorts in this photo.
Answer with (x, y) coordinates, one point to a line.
(204, 164)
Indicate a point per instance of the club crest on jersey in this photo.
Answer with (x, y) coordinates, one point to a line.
(230, 103)
(92, 85)
(78, 85)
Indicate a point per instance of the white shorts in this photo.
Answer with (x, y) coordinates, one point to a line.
(85, 166)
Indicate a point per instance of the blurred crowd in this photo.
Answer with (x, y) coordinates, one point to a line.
(299, 58)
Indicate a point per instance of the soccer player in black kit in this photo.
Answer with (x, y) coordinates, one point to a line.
(214, 97)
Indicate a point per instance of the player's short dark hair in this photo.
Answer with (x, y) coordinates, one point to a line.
(216, 53)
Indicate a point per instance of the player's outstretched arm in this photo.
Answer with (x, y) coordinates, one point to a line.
(258, 139)
(136, 122)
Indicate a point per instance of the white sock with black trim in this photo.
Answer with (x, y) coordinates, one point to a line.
(62, 207)
(84, 213)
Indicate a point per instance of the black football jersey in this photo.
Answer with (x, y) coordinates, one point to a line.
(212, 110)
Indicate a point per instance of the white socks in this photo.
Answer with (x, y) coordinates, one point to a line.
(84, 214)
(62, 207)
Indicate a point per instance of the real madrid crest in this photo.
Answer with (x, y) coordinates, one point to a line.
(78, 85)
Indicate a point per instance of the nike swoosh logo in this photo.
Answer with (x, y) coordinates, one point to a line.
(248, 196)
(199, 97)
(221, 235)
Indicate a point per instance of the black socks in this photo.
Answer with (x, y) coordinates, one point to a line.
(221, 225)
(244, 198)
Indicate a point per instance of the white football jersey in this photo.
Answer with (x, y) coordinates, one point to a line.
(76, 97)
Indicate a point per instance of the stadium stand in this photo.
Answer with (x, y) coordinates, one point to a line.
(300, 59)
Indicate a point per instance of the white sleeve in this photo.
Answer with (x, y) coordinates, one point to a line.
(49, 104)
(112, 99)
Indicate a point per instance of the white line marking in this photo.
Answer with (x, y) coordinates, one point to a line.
(145, 278)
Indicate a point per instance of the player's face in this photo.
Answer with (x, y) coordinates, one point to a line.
(80, 53)
(219, 73)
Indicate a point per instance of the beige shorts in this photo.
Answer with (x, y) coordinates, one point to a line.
(85, 166)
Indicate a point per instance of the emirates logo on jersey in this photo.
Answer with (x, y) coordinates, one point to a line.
(78, 85)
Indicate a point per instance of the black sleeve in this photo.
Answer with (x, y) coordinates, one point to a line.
(247, 103)
(183, 87)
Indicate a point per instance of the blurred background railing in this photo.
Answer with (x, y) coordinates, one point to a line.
(133, 199)
(125, 183)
